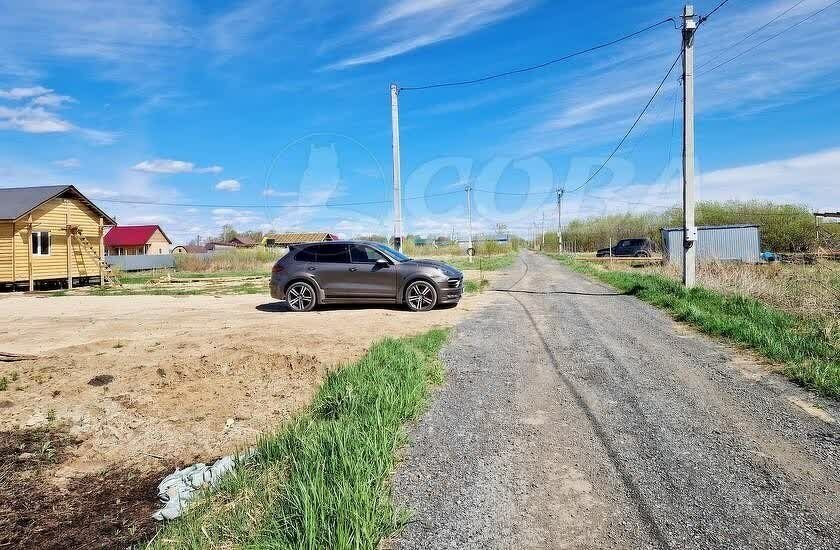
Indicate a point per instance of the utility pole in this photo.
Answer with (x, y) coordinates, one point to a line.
(542, 232)
(559, 222)
(689, 229)
(470, 250)
(395, 138)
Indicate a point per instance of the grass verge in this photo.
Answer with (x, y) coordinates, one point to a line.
(322, 481)
(485, 263)
(810, 353)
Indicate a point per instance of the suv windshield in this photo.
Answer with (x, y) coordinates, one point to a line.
(393, 253)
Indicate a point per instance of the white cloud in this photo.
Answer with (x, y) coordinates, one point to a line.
(24, 93)
(210, 170)
(403, 26)
(271, 192)
(32, 120)
(71, 162)
(52, 100)
(38, 116)
(171, 166)
(228, 185)
(124, 40)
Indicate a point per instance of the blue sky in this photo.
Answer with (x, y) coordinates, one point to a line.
(246, 107)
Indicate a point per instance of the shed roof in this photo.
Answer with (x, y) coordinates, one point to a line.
(702, 227)
(132, 235)
(296, 238)
(16, 202)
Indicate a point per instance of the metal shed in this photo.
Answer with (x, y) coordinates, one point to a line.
(715, 242)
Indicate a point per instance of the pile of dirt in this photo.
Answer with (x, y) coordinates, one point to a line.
(107, 509)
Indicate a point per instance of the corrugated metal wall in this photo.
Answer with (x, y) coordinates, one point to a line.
(736, 242)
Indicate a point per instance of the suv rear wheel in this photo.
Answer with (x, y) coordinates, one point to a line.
(420, 296)
(300, 296)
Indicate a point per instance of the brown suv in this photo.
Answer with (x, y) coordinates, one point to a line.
(361, 272)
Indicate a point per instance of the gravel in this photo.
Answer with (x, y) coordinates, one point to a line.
(573, 417)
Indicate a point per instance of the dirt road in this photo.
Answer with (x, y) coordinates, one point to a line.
(573, 417)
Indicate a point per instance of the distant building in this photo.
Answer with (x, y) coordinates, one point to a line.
(236, 242)
(288, 239)
(189, 249)
(715, 243)
(136, 240)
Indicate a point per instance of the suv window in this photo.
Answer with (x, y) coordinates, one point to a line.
(332, 253)
(307, 255)
(361, 254)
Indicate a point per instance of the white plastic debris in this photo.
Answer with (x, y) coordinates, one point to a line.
(177, 489)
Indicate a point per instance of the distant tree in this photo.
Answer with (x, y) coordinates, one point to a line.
(373, 237)
(228, 233)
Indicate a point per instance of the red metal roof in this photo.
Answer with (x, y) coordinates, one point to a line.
(132, 235)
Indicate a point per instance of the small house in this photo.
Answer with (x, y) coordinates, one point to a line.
(230, 244)
(289, 239)
(50, 235)
(136, 240)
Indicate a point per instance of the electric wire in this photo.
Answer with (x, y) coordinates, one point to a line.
(632, 127)
(539, 66)
(267, 205)
(771, 37)
(749, 35)
(711, 13)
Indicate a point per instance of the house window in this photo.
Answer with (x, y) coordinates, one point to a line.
(41, 243)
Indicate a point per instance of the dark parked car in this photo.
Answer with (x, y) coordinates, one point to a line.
(629, 247)
(361, 272)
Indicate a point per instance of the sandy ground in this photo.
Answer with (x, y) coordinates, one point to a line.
(160, 379)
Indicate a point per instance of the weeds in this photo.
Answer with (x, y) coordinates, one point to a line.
(322, 480)
(809, 353)
(4, 383)
(471, 286)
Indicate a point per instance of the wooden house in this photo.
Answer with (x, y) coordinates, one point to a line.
(136, 240)
(51, 234)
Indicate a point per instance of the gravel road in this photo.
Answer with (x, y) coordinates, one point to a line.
(575, 417)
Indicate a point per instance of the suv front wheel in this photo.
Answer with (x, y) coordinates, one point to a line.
(420, 296)
(300, 296)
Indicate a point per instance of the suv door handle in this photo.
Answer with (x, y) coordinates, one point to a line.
(354, 269)
(311, 268)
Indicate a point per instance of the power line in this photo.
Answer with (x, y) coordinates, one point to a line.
(632, 127)
(711, 13)
(771, 37)
(539, 66)
(750, 34)
(266, 205)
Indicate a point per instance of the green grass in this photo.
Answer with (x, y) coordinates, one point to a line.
(486, 263)
(245, 288)
(143, 277)
(471, 286)
(810, 353)
(322, 480)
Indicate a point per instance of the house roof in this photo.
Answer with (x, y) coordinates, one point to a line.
(132, 235)
(16, 202)
(243, 240)
(296, 238)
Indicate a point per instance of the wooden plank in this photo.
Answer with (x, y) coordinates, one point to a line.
(69, 244)
(14, 256)
(101, 252)
(29, 255)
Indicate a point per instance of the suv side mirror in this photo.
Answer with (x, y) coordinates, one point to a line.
(382, 262)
